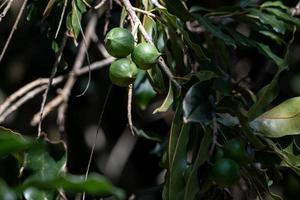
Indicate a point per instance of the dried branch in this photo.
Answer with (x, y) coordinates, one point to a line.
(14, 28)
(296, 10)
(16, 98)
(6, 9)
(148, 38)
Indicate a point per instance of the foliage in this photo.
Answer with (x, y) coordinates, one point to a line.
(210, 107)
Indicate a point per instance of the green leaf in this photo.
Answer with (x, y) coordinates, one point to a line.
(46, 164)
(12, 142)
(284, 16)
(174, 23)
(150, 27)
(156, 79)
(49, 7)
(192, 182)
(262, 48)
(95, 184)
(81, 6)
(5, 192)
(273, 36)
(176, 157)
(280, 121)
(276, 4)
(286, 155)
(265, 96)
(36, 194)
(196, 104)
(177, 8)
(143, 90)
(270, 20)
(74, 21)
(215, 30)
(167, 102)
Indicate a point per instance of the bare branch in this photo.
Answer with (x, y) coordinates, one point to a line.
(16, 98)
(14, 28)
(6, 9)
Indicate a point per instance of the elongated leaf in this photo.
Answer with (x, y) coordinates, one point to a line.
(5, 192)
(215, 30)
(285, 155)
(177, 8)
(276, 4)
(45, 167)
(49, 7)
(192, 183)
(262, 48)
(280, 121)
(265, 96)
(175, 23)
(176, 157)
(11, 142)
(270, 20)
(94, 184)
(167, 102)
(196, 104)
(284, 16)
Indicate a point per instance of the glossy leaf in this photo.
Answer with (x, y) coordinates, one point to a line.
(12, 142)
(45, 167)
(192, 182)
(167, 102)
(156, 79)
(215, 30)
(176, 157)
(5, 192)
(280, 121)
(177, 8)
(270, 20)
(143, 91)
(262, 48)
(284, 16)
(175, 23)
(265, 96)
(94, 184)
(196, 104)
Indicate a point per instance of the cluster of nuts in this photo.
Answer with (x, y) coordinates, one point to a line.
(119, 42)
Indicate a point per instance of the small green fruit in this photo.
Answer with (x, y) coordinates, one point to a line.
(235, 149)
(122, 72)
(145, 55)
(225, 172)
(119, 42)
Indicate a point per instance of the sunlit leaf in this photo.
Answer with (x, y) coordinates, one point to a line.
(167, 102)
(280, 121)
(94, 184)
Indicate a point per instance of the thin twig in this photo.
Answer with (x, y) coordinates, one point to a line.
(97, 134)
(148, 38)
(129, 116)
(6, 9)
(21, 101)
(61, 18)
(43, 81)
(53, 73)
(144, 12)
(58, 100)
(14, 28)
